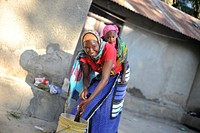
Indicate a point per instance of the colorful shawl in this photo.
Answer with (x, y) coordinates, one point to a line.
(122, 51)
(76, 77)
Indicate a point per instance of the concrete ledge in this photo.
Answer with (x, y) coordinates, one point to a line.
(193, 122)
(45, 106)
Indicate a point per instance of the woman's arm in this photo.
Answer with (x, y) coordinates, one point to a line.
(107, 67)
(86, 80)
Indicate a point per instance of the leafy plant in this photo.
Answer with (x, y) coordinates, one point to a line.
(191, 7)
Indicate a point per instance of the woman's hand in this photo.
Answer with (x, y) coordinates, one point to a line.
(84, 94)
(83, 105)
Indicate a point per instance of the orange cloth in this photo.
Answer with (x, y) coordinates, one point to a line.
(89, 36)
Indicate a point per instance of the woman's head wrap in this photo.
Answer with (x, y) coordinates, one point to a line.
(89, 36)
(108, 28)
(94, 35)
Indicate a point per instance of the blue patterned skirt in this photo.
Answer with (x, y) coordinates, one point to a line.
(104, 111)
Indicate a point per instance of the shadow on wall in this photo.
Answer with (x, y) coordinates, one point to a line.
(136, 92)
(54, 66)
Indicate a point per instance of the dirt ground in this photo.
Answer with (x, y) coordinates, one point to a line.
(12, 122)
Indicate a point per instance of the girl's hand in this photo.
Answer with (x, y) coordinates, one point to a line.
(123, 79)
(84, 94)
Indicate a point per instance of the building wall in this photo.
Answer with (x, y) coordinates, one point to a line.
(37, 36)
(194, 100)
(163, 68)
(34, 24)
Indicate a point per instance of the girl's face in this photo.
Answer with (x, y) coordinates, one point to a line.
(110, 36)
(91, 47)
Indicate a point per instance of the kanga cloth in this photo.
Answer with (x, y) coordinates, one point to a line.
(104, 111)
(76, 77)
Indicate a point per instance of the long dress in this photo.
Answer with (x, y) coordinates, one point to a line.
(104, 111)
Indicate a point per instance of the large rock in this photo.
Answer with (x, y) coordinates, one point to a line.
(45, 106)
(54, 66)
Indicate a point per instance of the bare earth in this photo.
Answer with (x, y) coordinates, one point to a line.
(13, 122)
(130, 123)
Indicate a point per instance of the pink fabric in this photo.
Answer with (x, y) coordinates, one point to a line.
(108, 28)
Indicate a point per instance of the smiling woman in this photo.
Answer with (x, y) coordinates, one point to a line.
(98, 97)
(91, 47)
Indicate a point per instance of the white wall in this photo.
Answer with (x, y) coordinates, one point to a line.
(33, 24)
(194, 99)
(27, 27)
(163, 68)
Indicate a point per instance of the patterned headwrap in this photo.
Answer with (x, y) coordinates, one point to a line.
(94, 35)
(108, 28)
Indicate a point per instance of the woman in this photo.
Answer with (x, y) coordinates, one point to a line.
(102, 107)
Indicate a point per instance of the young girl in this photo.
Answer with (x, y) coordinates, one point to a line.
(110, 35)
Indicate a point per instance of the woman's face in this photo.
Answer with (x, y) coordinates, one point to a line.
(91, 47)
(110, 36)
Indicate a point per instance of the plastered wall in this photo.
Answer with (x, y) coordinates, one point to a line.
(32, 25)
(163, 67)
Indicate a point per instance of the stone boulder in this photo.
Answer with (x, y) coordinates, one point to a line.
(54, 66)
